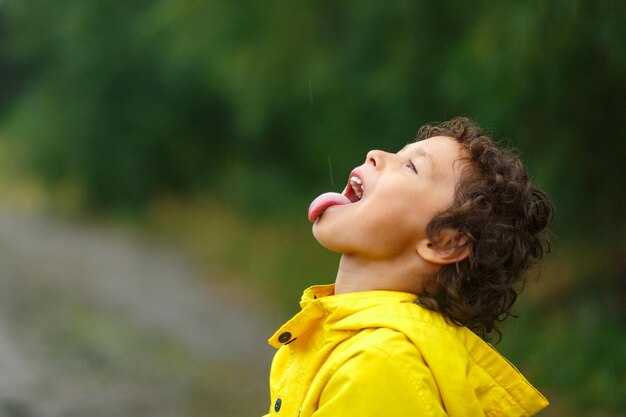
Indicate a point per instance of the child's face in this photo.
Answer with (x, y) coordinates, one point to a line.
(401, 193)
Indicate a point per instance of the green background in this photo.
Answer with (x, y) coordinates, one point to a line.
(167, 114)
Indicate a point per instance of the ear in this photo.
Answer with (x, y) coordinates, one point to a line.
(451, 247)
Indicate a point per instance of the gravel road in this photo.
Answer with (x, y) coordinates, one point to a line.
(95, 322)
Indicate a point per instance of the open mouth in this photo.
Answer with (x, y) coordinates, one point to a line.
(354, 189)
(353, 193)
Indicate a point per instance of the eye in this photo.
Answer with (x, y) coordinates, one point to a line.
(411, 165)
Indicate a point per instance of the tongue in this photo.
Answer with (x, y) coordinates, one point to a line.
(324, 201)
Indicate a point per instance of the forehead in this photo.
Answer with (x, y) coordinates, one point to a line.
(441, 151)
(437, 143)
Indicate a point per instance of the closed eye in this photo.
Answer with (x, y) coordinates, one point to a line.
(411, 165)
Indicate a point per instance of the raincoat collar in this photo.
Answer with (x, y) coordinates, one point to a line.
(339, 306)
(484, 376)
(320, 301)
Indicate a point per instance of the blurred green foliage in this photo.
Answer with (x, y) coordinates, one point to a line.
(136, 99)
(269, 103)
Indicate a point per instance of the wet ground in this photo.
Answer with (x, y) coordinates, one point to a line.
(95, 322)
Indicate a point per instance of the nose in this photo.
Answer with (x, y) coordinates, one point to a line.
(376, 158)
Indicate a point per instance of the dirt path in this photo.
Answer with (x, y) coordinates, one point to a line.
(99, 323)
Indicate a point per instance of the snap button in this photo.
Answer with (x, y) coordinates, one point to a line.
(277, 404)
(284, 337)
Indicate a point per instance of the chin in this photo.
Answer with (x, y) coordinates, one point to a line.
(326, 238)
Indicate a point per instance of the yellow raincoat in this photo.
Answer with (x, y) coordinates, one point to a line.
(377, 353)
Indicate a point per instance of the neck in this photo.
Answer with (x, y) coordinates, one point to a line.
(404, 274)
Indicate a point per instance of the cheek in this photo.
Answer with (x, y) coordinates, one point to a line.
(438, 201)
(392, 224)
(423, 213)
(397, 214)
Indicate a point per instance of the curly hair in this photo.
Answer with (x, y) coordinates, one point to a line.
(504, 219)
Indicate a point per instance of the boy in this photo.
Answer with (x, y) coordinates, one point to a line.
(434, 240)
